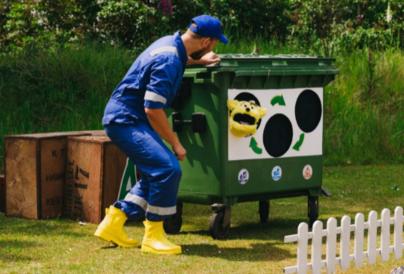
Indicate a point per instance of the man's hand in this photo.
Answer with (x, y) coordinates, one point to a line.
(179, 151)
(158, 120)
(209, 58)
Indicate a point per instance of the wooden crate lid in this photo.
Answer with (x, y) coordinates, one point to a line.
(45, 135)
(90, 139)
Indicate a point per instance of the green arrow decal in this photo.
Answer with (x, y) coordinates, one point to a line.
(299, 142)
(128, 179)
(278, 100)
(254, 146)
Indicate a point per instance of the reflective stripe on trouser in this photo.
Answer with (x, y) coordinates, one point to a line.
(155, 194)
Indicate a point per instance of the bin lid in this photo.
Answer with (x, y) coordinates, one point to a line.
(250, 64)
(241, 60)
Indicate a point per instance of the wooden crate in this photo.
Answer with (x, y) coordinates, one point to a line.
(35, 172)
(2, 194)
(93, 175)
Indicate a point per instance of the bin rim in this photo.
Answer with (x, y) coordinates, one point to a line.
(228, 56)
(239, 61)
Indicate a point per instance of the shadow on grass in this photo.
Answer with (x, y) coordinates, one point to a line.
(274, 230)
(12, 225)
(15, 246)
(255, 252)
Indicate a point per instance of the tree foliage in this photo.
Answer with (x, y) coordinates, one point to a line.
(325, 25)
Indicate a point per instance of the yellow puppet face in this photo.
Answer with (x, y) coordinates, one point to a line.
(244, 117)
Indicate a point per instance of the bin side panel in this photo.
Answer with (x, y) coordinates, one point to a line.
(201, 168)
(21, 167)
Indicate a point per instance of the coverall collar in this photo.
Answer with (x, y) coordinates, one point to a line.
(181, 48)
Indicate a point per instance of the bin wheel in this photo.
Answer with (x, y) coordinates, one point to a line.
(219, 223)
(313, 209)
(263, 210)
(172, 224)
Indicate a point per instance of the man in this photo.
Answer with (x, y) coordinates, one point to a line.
(135, 121)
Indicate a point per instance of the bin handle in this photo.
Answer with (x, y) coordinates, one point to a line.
(279, 63)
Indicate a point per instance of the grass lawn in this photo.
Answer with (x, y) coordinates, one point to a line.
(61, 246)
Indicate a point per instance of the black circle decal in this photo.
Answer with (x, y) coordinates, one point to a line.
(308, 110)
(246, 96)
(278, 134)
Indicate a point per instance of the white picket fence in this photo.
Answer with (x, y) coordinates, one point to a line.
(344, 259)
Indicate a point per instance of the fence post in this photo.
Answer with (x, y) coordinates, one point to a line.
(316, 247)
(372, 234)
(398, 228)
(345, 237)
(359, 237)
(331, 244)
(385, 235)
(302, 232)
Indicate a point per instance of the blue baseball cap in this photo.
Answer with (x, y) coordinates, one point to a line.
(208, 26)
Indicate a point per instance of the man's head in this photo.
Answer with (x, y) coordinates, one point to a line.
(205, 31)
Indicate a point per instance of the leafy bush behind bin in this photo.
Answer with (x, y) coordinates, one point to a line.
(326, 26)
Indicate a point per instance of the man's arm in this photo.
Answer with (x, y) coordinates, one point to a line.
(208, 59)
(159, 122)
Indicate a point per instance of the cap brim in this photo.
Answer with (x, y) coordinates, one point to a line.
(223, 39)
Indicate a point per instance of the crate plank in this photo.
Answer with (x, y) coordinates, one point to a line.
(2, 193)
(93, 174)
(21, 167)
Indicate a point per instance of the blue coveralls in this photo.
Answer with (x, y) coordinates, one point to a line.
(151, 82)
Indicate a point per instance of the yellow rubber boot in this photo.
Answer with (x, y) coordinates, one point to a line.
(155, 240)
(111, 228)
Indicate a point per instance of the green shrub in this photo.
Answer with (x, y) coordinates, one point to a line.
(253, 18)
(322, 26)
(184, 11)
(364, 109)
(22, 26)
(329, 26)
(128, 22)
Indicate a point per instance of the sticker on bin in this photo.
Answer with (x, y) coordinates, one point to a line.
(276, 173)
(243, 176)
(275, 123)
(307, 172)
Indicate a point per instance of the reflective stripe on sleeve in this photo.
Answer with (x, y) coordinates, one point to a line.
(136, 200)
(164, 49)
(152, 96)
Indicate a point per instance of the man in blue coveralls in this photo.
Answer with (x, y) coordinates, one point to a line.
(136, 122)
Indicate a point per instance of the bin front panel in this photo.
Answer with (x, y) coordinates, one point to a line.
(285, 152)
(255, 177)
(291, 126)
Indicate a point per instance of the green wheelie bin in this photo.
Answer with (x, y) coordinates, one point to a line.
(253, 129)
